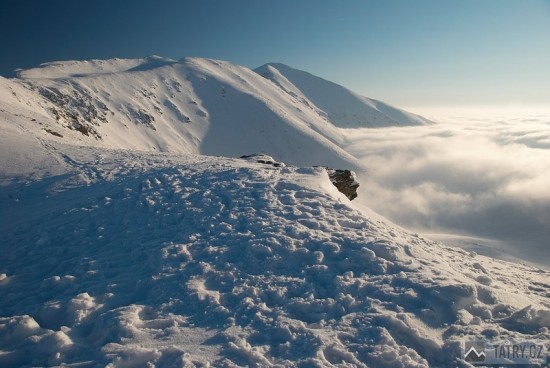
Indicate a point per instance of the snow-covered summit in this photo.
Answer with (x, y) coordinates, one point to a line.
(191, 106)
(196, 105)
(343, 107)
(79, 68)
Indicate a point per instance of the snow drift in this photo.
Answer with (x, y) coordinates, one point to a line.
(132, 258)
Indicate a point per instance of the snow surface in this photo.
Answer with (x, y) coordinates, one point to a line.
(344, 108)
(115, 255)
(130, 258)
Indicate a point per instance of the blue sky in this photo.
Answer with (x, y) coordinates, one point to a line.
(409, 53)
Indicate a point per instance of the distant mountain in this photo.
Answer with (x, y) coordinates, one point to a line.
(188, 106)
(80, 68)
(344, 108)
(195, 106)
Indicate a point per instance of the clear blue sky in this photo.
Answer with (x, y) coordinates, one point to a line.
(410, 53)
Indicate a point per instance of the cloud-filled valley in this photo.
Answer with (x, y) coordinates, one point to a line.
(485, 176)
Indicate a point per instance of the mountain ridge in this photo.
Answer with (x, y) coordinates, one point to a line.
(193, 105)
(343, 107)
(188, 105)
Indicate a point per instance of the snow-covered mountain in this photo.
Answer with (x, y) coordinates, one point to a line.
(188, 106)
(124, 246)
(196, 106)
(344, 108)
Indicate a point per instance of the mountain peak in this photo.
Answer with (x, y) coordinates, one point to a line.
(80, 68)
(193, 105)
(285, 68)
(344, 108)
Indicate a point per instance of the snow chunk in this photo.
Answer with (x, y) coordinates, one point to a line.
(17, 329)
(80, 307)
(528, 320)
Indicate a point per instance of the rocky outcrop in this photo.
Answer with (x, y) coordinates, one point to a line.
(263, 159)
(344, 180)
(74, 108)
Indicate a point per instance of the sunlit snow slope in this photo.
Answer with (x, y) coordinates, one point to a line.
(344, 108)
(188, 106)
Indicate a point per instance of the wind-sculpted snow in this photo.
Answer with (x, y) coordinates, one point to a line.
(131, 259)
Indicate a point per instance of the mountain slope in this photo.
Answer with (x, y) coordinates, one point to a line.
(189, 106)
(343, 107)
(150, 259)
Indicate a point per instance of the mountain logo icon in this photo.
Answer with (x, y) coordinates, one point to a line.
(474, 351)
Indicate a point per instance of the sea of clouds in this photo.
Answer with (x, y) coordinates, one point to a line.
(483, 175)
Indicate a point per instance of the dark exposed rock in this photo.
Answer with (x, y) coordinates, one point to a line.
(76, 109)
(344, 180)
(82, 129)
(263, 159)
(142, 117)
(52, 132)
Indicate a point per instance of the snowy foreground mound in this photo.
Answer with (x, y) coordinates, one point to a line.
(129, 258)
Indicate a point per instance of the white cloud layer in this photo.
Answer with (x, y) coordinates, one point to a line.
(485, 176)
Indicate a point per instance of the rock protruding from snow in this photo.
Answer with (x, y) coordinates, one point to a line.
(344, 108)
(263, 159)
(345, 181)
